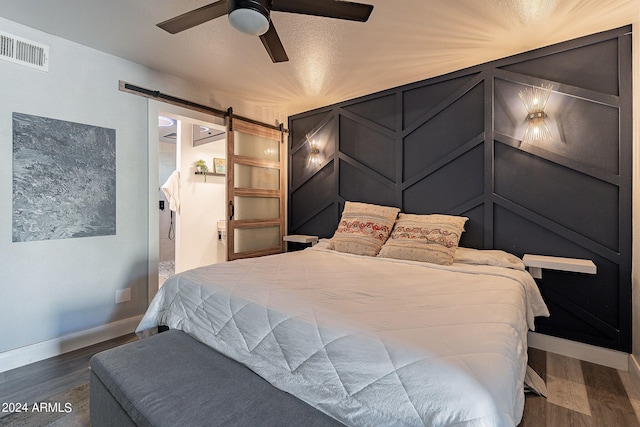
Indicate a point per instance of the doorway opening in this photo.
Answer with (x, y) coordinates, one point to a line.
(167, 156)
(214, 222)
(191, 226)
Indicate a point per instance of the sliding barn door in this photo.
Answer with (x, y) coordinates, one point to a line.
(255, 190)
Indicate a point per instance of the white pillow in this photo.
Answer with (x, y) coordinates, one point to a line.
(323, 244)
(492, 257)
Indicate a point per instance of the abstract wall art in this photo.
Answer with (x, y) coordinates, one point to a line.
(64, 179)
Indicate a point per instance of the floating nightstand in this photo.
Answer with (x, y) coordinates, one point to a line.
(301, 239)
(537, 263)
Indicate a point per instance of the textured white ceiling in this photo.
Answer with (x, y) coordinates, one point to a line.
(330, 60)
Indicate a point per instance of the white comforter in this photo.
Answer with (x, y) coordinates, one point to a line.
(371, 342)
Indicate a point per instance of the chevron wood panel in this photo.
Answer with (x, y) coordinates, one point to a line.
(452, 144)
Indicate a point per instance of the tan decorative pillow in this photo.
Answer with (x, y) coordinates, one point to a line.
(363, 228)
(426, 238)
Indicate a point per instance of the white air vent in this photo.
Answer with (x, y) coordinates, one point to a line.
(25, 52)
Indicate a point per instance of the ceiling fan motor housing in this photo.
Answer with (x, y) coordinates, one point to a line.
(250, 16)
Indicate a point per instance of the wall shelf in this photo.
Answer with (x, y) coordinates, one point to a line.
(210, 174)
(301, 238)
(537, 263)
(299, 241)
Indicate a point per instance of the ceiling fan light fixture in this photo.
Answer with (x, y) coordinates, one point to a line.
(249, 16)
(253, 17)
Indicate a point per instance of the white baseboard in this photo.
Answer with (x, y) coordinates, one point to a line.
(589, 353)
(634, 370)
(43, 350)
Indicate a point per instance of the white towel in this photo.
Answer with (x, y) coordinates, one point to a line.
(171, 189)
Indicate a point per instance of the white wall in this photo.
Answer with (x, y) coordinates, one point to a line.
(56, 287)
(53, 292)
(202, 203)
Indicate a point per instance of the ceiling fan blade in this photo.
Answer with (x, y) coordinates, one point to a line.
(195, 17)
(327, 8)
(273, 45)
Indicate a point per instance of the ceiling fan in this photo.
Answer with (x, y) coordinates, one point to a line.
(252, 17)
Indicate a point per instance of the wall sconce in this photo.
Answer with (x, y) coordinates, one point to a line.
(535, 100)
(314, 153)
(313, 149)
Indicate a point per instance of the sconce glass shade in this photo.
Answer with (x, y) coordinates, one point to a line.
(535, 100)
(314, 154)
(536, 130)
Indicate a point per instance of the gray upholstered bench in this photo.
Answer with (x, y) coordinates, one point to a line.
(171, 379)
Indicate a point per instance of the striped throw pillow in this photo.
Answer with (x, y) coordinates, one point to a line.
(426, 238)
(363, 228)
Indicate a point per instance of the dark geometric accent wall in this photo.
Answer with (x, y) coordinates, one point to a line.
(453, 144)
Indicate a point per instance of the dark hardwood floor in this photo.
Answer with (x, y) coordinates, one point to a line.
(39, 381)
(579, 393)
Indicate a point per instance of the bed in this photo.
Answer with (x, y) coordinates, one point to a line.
(387, 323)
(369, 340)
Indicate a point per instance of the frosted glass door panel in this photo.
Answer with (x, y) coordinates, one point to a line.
(254, 189)
(257, 208)
(255, 239)
(256, 177)
(255, 146)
